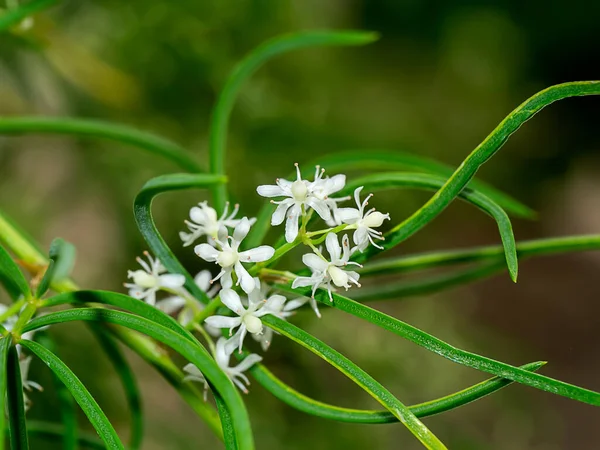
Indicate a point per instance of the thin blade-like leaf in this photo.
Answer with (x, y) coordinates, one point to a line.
(129, 383)
(142, 209)
(104, 130)
(426, 285)
(245, 68)
(5, 343)
(359, 376)
(17, 425)
(387, 160)
(308, 405)
(484, 151)
(192, 351)
(85, 400)
(525, 249)
(66, 402)
(12, 275)
(450, 352)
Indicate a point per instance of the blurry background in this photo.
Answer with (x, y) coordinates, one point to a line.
(443, 75)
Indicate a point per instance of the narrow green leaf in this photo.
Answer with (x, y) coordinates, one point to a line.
(66, 402)
(525, 249)
(27, 250)
(142, 210)
(192, 351)
(55, 432)
(5, 343)
(250, 64)
(85, 400)
(14, 16)
(388, 160)
(398, 179)
(308, 405)
(11, 275)
(104, 130)
(129, 383)
(484, 151)
(122, 301)
(426, 285)
(227, 423)
(359, 376)
(17, 424)
(450, 352)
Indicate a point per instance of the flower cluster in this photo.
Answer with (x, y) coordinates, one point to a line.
(245, 292)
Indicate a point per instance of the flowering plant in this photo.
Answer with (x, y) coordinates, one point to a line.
(207, 318)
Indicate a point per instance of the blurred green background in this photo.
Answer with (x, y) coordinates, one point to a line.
(443, 75)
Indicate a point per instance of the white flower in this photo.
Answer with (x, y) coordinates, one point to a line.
(322, 188)
(229, 258)
(171, 305)
(222, 355)
(248, 318)
(324, 272)
(204, 222)
(302, 195)
(147, 282)
(27, 384)
(282, 309)
(364, 223)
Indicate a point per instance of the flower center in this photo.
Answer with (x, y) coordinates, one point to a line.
(253, 323)
(299, 190)
(144, 279)
(338, 276)
(227, 258)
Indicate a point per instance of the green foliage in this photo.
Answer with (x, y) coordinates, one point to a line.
(149, 332)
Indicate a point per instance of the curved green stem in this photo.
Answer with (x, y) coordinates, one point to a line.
(245, 68)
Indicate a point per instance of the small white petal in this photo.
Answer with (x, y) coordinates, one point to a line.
(279, 215)
(172, 280)
(248, 362)
(333, 246)
(226, 280)
(170, 304)
(348, 215)
(202, 280)
(206, 252)
(244, 278)
(241, 230)
(231, 299)
(197, 215)
(258, 254)
(336, 183)
(320, 207)
(269, 190)
(291, 225)
(303, 282)
(315, 262)
(223, 321)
